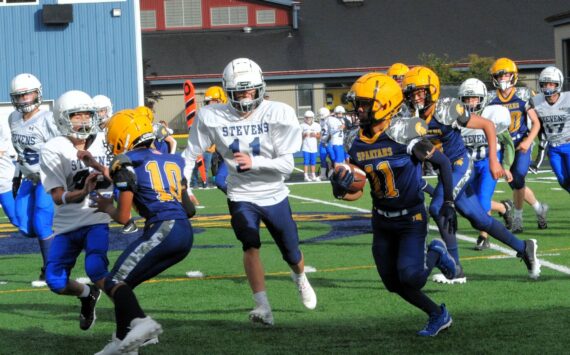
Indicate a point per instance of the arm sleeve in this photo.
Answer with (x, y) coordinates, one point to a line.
(445, 174)
(198, 142)
(508, 149)
(51, 171)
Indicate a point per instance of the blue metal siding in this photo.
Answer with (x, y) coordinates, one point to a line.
(95, 53)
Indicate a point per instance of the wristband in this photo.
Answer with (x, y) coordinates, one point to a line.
(63, 201)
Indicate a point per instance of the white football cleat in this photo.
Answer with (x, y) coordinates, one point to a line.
(39, 283)
(440, 278)
(306, 292)
(143, 330)
(112, 348)
(261, 314)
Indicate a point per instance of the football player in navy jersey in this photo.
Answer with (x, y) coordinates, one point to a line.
(504, 73)
(444, 118)
(152, 182)
(389, 149)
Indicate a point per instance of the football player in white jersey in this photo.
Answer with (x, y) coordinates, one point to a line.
(553, 109)
(311, 132)
(31, 128)
(335, 128)
(473, 93)
(104, 108)
(325, 149)
(257, 139)
(7, 170)
(67, 172)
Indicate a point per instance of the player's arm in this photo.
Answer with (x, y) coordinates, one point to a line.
(425, 151)
(526, 143)
(172, 144)
(478, 122)
(62, 197)
(125, 180)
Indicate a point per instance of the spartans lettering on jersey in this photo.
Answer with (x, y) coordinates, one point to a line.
(374, 154)
(512, 106)
(434, 132)
(23, 140)
(245, 130)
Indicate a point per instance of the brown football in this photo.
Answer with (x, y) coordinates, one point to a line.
(359, 175)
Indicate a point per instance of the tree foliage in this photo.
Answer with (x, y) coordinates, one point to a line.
(451, 72)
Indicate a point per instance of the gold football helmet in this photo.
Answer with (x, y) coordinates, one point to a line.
(126, 130)
(377, 93)
(145, 112)
(397, 71)
(501, 67)
(421, 78)
(215, 93)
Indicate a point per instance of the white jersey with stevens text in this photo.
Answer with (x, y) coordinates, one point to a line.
(28, 138)
(475, 139)
(271, 131)
(7, 157)
(61, 168)
(555, 119)
(310, 144)
(335, 130)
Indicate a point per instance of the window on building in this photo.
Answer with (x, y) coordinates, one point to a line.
(148, 19)
(16, 2)
(265, 17)
(304, 98)
(183, 13)
(234, 15)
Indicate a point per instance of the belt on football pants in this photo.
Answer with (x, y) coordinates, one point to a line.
(391, 214)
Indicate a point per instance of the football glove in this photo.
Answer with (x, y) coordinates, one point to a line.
(449, 217)
(341, 184)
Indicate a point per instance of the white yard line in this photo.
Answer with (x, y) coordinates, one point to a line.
(560, 268)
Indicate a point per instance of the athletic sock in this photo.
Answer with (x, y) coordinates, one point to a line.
(127, 308)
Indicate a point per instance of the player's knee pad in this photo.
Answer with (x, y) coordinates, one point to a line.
(412, 277)
(56, 283)
(109, 284)
(292, 257)
(518, 182)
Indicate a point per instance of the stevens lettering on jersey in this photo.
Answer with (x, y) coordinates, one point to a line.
(23, 140)
(245, 130)
(374, 154)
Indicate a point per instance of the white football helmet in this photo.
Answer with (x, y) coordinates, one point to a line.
(23, 84)
(324, 113)
(473, 88)
(243, 74)
(309, 117)
(104, 108)
(550, 75)
(71, 102)
(339, 110)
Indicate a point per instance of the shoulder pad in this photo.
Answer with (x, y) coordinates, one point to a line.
(403, 130)
(491, 95)
(119, 161)
(449, 110)
(160, 131)
(350, 137)
(524, 93)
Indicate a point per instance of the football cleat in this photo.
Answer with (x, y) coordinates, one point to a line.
(508, 215)
(437, 323)
(307, 178)
(541, 217)
(517, 225)
(143, 330)
(530, 259)
(41, 281)
(113, 348)
(261, 314)
(460, 278)
(482, 243)
(306, 292)
(445, 262)
(130, 227)
(87, 315)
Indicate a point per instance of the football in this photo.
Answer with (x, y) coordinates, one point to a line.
(359, 176)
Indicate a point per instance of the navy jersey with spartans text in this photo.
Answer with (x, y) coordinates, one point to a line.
(156, 181)
(517, 104)
(394, 175)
